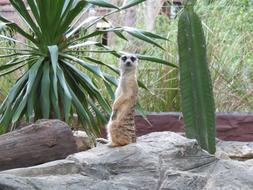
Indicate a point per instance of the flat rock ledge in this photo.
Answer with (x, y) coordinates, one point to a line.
(159, 161)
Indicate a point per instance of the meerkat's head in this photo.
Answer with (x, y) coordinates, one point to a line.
(128, 63)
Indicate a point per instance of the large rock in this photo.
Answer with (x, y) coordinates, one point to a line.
(162, 160)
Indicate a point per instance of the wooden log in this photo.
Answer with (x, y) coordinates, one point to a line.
(38, 143)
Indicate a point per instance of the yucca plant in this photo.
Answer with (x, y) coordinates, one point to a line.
(5, 82)
(53, 84)
(195, 81)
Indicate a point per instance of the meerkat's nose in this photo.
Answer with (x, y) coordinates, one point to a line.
(128, 63)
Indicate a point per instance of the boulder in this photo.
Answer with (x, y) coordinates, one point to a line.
(160, 160)
(236, 150)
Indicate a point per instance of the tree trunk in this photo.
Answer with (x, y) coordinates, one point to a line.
(44, 141)
(153, 7)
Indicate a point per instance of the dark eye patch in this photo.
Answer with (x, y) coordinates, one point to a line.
(124, 58)
(133, 58)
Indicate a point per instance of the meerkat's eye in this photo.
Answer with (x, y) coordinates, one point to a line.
(133, 58)
(124, 58)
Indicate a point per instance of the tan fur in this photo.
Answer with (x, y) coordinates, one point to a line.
(121, 127)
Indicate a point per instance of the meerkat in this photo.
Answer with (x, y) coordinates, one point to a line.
(121, 126)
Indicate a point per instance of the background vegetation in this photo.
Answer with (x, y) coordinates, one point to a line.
(229, 29)
(53, 81)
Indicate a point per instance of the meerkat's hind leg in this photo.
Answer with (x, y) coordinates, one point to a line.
(106, 142)
(112, 144)
(122, 141)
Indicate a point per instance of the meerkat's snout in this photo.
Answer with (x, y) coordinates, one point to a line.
(128, 64)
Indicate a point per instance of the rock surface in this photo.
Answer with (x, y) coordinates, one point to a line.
(159, 161)
(83, 142)
(236, 150)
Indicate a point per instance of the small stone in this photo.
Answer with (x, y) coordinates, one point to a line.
(82, 140)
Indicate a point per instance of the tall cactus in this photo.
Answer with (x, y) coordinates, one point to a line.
(195, 81)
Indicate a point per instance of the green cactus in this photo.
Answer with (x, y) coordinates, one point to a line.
(195, 81)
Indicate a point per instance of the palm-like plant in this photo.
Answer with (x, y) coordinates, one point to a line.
(52, 85)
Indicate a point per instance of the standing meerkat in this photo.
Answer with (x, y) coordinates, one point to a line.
(121, 127)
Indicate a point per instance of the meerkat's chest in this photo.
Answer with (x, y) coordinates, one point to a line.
(127, 86)
(122, 88)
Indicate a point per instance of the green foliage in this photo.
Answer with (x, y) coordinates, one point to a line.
(189, 2)
(195, 81)
(7, 81)
(228, 29)
(160, 96)
(207, 2)
(56, 82)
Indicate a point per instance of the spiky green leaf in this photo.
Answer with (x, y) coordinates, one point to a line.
(195, 81)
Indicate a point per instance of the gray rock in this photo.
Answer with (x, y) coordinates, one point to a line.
(59, 167)
(83, 142)
(236, 150)
(159, 161)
